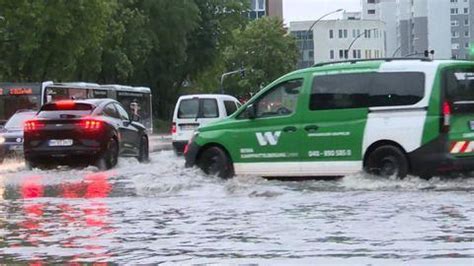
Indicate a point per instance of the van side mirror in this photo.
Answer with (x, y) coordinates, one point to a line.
(251, 111)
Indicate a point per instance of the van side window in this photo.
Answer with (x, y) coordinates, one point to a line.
(280, 100)
(362, 90)
(230, 107)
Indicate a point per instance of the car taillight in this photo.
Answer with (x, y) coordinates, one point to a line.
(173, 128)
(446, 116)
(33, 125)
(91, 125)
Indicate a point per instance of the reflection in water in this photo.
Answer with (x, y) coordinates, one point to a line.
(81, 210)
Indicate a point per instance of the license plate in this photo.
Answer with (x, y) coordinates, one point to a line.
(60, 142)
(189, 127)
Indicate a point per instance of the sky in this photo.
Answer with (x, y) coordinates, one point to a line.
(298, 10)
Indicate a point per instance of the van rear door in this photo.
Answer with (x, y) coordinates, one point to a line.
(457, 111)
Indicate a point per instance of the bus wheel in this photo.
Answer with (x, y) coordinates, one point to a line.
(214, 161)
(387, 161)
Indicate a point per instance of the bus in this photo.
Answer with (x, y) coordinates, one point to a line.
(20, 96)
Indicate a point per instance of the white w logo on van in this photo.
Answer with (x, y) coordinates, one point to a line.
(268, 138)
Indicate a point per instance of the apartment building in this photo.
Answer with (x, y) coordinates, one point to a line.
(462, 29)
(262, 8)
(332, 40)
(413, 26)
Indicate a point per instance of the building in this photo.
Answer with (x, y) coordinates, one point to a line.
(332, 40)
(413, 26)
(462, 27)
(262, 8)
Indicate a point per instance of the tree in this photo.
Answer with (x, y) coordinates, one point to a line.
(43, 40)
(265, 50)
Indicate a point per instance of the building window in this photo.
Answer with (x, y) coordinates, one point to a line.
(261, 4)
(466, 33)
(340, 34)
(454, 1)
(466, 22)
(455, 46)
(371, 11)
(466, 10)
(331, 54)
(454, 11)
(373, 1)
(345, 33)
(354, 34)
(454, 23)
(341, 54)
(454, 34)
(466, 45)
(359, 53)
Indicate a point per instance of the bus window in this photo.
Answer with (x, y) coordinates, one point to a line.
(137, 105)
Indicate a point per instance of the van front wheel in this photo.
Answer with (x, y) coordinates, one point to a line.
(214, 161)
(387, 161)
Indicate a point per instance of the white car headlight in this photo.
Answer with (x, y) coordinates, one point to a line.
(2, 139)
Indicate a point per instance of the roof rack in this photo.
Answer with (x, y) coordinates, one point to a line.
(389, 59)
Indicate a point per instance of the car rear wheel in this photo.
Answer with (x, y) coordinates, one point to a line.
(387, 161)
(109, 157)
(144, 153)
(214, 161)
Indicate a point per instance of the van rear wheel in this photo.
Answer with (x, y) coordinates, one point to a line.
(214, 161)
(387, 161)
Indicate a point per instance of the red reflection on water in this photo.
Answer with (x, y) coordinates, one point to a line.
(92, 213)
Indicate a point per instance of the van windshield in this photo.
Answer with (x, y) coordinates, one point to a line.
(460, 85)
(198, 108)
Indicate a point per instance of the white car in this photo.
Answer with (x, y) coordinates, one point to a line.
(192, 111)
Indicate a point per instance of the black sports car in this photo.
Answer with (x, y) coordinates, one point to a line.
(11, 135)
(94, 131)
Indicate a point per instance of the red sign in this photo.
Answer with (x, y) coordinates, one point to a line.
(21, 91)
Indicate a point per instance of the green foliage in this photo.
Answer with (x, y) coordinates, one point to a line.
(43, 40)
(161, 44)
(265, 50)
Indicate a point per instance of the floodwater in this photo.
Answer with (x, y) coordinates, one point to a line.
(162, 213)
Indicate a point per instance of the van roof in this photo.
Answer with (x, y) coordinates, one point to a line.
(366, 64)
(213, 96)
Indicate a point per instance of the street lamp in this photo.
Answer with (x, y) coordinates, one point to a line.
(355, 39)
(312, 26)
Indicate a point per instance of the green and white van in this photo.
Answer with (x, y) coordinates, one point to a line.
(389, 117)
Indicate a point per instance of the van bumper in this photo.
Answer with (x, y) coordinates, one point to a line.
(434, 158)
(191, 154)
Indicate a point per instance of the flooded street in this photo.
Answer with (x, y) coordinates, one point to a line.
(163, 213)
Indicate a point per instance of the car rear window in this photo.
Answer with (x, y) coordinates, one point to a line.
(67, 106)
(198, 108)
(65, 110)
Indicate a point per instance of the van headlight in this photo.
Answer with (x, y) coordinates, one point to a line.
(2, 139)
(195, 135)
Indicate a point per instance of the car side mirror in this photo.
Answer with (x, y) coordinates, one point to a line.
(251, 111)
